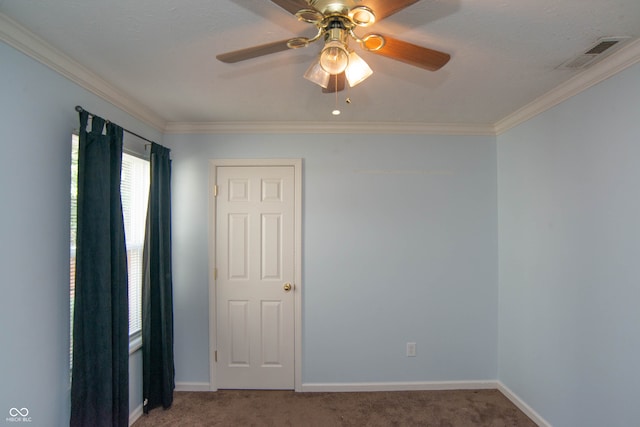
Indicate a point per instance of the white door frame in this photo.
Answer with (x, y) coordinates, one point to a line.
(213, 345)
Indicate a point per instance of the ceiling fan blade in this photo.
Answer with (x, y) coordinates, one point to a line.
(336, 83)
(384, 8)
(292, 6)
(412, 54)
(253, 52)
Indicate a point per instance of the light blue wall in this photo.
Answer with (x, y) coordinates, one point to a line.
(37, 118)
(399, 244)
(569, 238)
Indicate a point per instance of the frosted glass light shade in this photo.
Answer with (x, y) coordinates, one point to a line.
(334, 58)
(317, 75)
(358, 70)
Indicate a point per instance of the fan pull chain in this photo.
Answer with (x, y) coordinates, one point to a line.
(336, 91)
(336, 112)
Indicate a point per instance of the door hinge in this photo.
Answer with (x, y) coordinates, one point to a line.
(215, 273)
(215, 190)
(215, 355)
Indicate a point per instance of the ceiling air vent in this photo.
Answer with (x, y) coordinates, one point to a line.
(603, 47)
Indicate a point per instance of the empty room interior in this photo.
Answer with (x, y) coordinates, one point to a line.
(465, 217)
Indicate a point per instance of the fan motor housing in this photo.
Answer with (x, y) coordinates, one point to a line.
(329, 7)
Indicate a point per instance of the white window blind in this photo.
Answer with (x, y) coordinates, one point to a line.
(134, 188)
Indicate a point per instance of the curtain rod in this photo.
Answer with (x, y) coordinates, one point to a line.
(79, 109)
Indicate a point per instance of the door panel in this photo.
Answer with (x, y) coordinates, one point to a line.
(255, 241)
(239, 333)
(271, 339)
(271, 247)
(238, 246)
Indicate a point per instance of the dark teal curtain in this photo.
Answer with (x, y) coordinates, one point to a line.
(157, 293)
(100, 374)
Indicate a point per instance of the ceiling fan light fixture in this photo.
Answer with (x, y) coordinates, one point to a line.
(316, 74)
(334, 57)
(358, 70)
(335, 22)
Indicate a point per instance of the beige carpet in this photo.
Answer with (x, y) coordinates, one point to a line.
(286, 408)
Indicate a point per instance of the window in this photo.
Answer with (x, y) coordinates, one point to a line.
(134, 188)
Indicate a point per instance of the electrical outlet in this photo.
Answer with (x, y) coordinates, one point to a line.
(411, 349)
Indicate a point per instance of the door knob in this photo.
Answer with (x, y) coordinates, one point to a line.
(286, 287)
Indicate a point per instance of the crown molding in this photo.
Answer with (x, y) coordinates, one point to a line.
(397, 128)
(20, 38)
(615, 63)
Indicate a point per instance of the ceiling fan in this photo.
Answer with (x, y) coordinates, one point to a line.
(336, 21)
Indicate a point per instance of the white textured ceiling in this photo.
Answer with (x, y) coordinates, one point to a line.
(161, 53)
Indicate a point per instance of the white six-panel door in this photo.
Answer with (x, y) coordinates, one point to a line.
(255, 280)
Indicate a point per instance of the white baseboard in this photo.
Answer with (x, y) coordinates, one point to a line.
(522, 406)
(193, 386)
(137, 413)
(400, 386)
